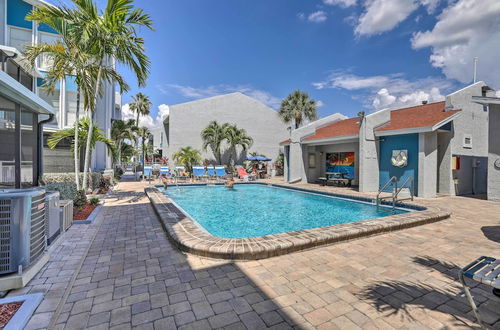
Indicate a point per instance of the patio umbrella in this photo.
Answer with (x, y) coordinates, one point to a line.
(259, 158)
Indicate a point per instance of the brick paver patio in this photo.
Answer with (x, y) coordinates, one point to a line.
(121, 272)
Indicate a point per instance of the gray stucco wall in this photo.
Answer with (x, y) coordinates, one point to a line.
(473, 120)
(427, 164)
(494, 153)
(187, 120)
(369, 151)
(298, 154)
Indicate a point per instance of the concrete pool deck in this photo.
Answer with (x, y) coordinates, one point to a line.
(121, 272)
(190, 237)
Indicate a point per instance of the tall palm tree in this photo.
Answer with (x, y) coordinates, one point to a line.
(213, 136)
(188, 157)
(109, 36)
(143, 133)
(97, 135)
(296, 108)
(122, 130)
(141, 105)
(237, 137)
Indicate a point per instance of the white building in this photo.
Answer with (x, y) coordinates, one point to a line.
(16, 33)
(183, 126)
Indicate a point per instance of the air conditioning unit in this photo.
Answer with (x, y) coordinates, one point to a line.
(66, 213)
(22, 228)
(53, 225)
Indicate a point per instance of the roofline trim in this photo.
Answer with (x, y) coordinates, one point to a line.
(331, 139)
(422, 129)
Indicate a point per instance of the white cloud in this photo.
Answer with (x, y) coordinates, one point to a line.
(317, 17)
(464, 30)
(214, 90)
(389, 91)
(383, 15)
(147, 121)
(431, 5)
(341, 3)
(319, 103)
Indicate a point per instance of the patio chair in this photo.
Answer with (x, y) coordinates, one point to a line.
(211, 172)
(179, 174)
(484, 270)
(164, 171)
(199, 172)
(220, 172)
(148, 172)
(243, 175)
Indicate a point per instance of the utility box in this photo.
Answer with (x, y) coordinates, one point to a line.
(66, 214)
(52, 221)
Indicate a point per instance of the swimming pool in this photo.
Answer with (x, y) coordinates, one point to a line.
(252, 210)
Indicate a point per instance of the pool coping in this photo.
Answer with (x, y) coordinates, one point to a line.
(187, 235)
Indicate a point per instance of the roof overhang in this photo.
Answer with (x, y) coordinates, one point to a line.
(423, 129)
(333, 140)
(16, 92)
(486, 100)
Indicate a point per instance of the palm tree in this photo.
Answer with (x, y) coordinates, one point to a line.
(213, 136)
(237, 137)
(97, 135)
(127, 152)
(297, 107)
(120, 131)
(143, 133)
(109, 36)
(188, 157)
(140, 105)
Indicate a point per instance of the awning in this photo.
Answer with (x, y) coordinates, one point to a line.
(13, 90)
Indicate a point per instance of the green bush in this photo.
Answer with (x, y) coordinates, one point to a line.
(94, 178)
(94, 201)
(67, 190)
(80, 199)
(104, 183)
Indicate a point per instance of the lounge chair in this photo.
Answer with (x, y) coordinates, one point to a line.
(220, 172)
(199, 172)
(179, 170)
(244, 175)
(211, 172)
(148, 172)
(164, 171)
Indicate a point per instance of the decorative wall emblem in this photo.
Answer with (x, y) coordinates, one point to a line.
(497, 163)
(399, 158)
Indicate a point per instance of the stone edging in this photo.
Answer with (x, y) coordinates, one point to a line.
(189, 237)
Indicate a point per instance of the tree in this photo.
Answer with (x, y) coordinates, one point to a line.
(296, 108)
(120, 131)
(188, 157)
(143, 133)
(109, 36)
(213, 136)
(97, 135)
(237, 137)
(140, 105)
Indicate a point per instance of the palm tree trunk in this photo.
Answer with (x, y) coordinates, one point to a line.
(91, 128)
(76, 151)
(120, 153)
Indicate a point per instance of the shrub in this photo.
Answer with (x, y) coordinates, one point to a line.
(94, 178)
(94, 201)
(104, 184)
(80, 199)
(67, 190)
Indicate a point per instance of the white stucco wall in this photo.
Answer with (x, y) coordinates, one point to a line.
(187, 120)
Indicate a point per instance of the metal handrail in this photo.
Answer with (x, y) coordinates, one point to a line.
(410, 178)
(391, 180)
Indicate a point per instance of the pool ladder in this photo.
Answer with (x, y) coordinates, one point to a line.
(393, 181)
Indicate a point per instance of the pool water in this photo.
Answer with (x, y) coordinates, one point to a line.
(251, 210)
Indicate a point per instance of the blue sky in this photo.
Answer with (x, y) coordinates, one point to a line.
(349, 55)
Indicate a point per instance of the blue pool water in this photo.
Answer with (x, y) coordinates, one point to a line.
(251, 210)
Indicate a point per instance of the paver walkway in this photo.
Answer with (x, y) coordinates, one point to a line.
(121, 272)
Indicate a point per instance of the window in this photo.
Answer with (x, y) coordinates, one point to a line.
(50, 98)
(45, 61)
(467, 141)
(7, 144)
(19, 38)
(71, 101)
(312, 160)
(28, 148)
